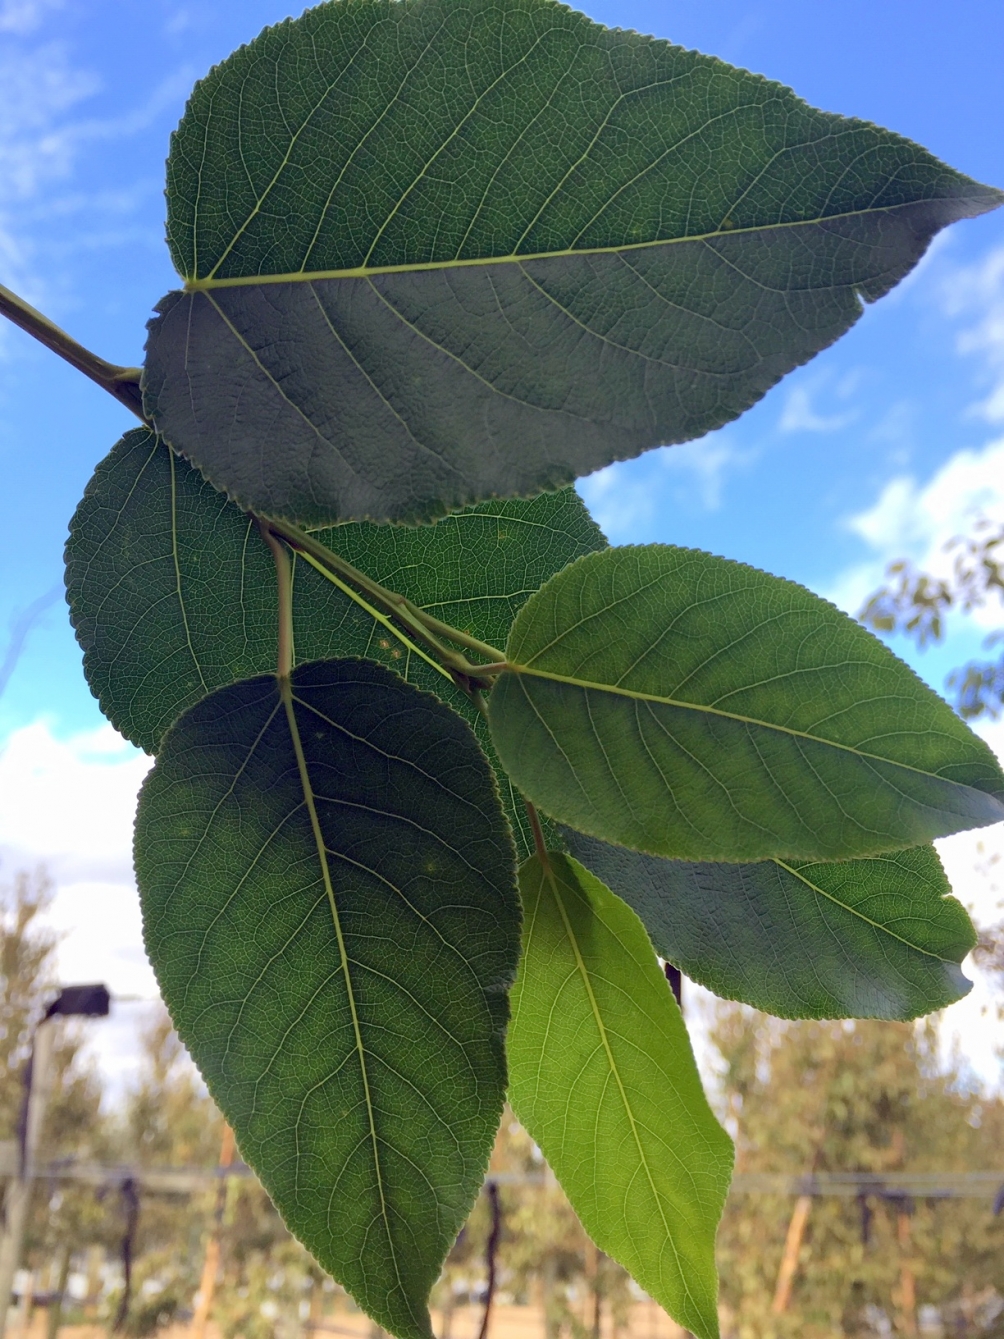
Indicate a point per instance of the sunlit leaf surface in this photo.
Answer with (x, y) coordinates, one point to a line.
(693, 707)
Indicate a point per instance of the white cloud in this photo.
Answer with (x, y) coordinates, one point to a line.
(800, 413)
(976, 293)
(68, 804)
(908, 517)
(71, 802)
(974, 863)
(24, 16)
(625, 506)
(916, 521)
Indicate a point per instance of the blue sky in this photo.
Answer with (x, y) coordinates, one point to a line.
(883, 445)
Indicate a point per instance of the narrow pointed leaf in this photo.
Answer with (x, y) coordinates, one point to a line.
(172, 591)
(693, 707)
(329, 903)
(436, 252)
(602, 1075)
(878, 938)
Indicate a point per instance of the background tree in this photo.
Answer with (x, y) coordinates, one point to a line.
(65, 1217)
(169, 1120)
(914, 603)
(846, 1097)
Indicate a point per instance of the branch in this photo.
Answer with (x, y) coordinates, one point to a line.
(122, 382)
(491, 1254)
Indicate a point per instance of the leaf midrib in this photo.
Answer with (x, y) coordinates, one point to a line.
(636, 695)
(195, 285)
(285, 692)
(547, 872)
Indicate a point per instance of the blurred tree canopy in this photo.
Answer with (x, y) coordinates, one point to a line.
(855, 1096)
(914, 603)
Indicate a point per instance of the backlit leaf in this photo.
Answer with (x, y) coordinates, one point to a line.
(878, 938)
(603, 1077)
(439, 251)
(172, 592)
(329, 903)
(693, 707)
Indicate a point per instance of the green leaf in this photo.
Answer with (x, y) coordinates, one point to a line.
(330, 906)
(439, 251)
(603, 1077)
(693, 707)
(877, 938)
(172, 592)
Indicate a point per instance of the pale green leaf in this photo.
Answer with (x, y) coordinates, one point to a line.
(602, 1076)
(330, 906)
(437, 251)
(693, 707)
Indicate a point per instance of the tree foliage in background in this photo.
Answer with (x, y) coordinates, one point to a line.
(915, 604)
(64, 1218)
(844, 1097)
(168, 1120)
(439, 259)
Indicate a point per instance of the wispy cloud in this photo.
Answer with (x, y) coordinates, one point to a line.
(628, 499)
(915, 520)
(975, 294)
(800, 412)
(40, 89)
(44, 130)
(24, 16)
(800, 415)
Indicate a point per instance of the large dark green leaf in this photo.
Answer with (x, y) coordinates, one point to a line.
(877, 938)
(693, 707)
(172, 592)
(329, 903)
(603, 1078)
(438, 251)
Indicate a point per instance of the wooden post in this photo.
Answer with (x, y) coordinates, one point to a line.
(212, 1265)
(907, 1282)
(596, 1263)
(95, 1260)
(27, 1305)
(55, 1311)
(18, 1197)
(789, 1260)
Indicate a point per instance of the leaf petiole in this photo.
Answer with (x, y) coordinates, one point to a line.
(284, 581)
(422, 625)
(122, 382)
(384, 620)
(538, 835)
